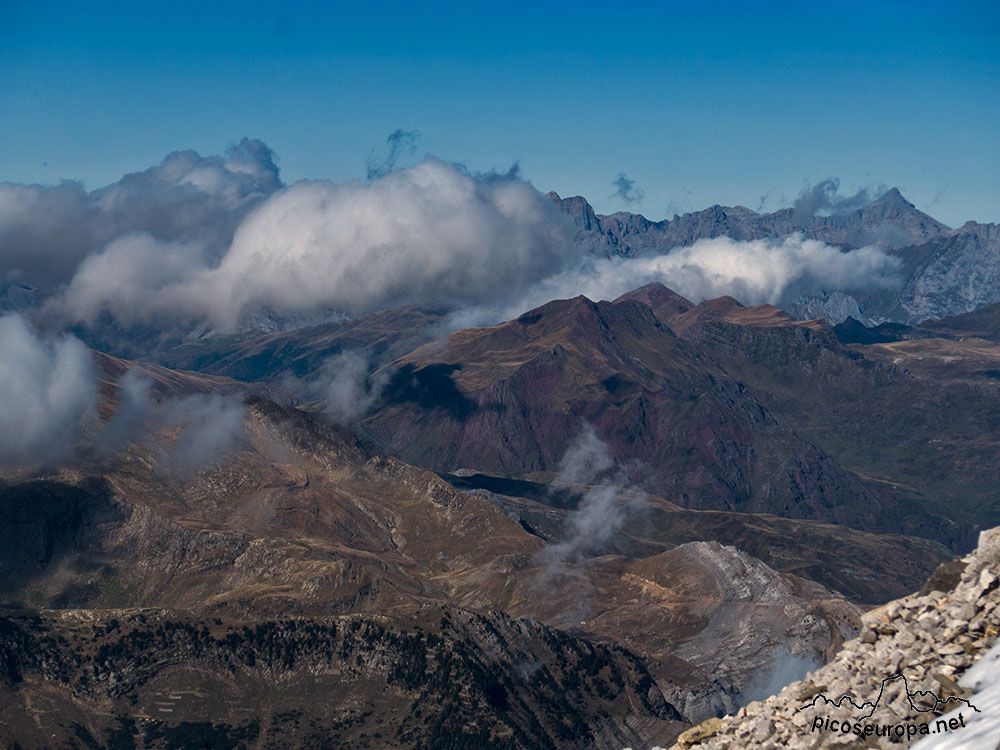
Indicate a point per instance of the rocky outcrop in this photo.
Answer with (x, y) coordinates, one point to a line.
(955, 274)
(890, 221)
(945, 271)
(902, 671)
(435, 678)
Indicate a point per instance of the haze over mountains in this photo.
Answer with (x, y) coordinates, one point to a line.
(438, 458)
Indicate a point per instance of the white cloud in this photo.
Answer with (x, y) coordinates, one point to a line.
(192, 431)
(428, 234)
(210, 426)
(754, 272)
(344, 385)
(46, 232)
(602, 511)
(217, 240)
(49, 388)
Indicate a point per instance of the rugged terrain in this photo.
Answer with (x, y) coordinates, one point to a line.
(904, 670)
(915, 415)
(301, 528)
(754, 484)
(512, 398)
(716, 406)
(944, 271)
(435, 678)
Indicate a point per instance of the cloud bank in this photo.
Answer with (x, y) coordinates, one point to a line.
(429, 234)
(49, 389)
(754, 272)
(211, 243)
(46, 232)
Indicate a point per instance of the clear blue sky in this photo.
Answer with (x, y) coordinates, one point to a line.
(698, 103)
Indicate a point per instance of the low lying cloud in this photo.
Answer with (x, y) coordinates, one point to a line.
(589, 530)
(783, 670)
(754, 272)
(49, 389)
(207, 428)
(602, 511)
(586, 458)
(345, 385)
(193, 431)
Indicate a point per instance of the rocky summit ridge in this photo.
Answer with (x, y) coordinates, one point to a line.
(905, 670)
(944, 271)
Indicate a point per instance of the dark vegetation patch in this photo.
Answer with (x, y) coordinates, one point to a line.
(452, 693)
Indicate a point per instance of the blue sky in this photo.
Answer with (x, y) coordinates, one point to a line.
(730, 103)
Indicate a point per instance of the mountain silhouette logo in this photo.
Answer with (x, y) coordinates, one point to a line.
(937, 702)
(862, 725)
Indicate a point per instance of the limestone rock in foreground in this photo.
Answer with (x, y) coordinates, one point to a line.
(914, 650)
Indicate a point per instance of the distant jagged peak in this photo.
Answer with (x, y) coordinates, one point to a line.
(891, 201)
(577, 207)
(892, 204)
(889, 221)
(892, 196)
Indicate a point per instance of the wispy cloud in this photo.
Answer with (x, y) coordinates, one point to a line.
(626, 190)
(189, 433)
(345, 385)
(398, 145)
(825, 199)
(602, 510)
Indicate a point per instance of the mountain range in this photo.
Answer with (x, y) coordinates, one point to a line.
(944, 271)
(595, 524)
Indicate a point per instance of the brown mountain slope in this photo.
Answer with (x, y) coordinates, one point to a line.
(866, 568)
(303, 520)
(378, 337)
(301, 517)
(912, 416)
(510, 399)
